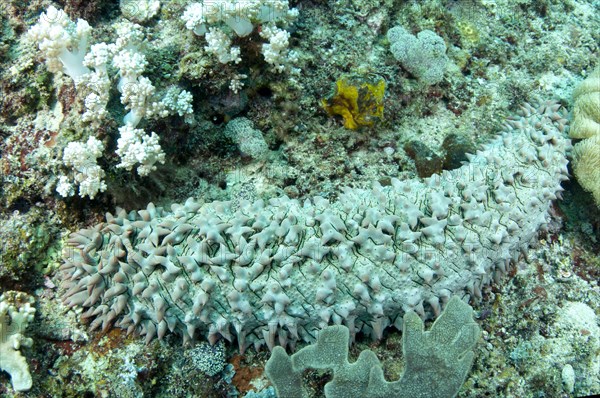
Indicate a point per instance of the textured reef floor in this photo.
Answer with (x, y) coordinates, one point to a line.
(301, 114)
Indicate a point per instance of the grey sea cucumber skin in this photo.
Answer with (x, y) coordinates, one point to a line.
(277, 272)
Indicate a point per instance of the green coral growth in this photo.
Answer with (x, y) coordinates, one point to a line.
(28, 241)
(437, 361)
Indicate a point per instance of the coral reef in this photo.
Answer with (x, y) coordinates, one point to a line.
(137, 62)
(134, 146)
(63, 42)
(139, 10)
(586, 165)
(573, 332)
(539, 323)
(64, 45)
(210, 19)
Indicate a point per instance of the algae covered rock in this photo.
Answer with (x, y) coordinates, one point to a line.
(25, 240)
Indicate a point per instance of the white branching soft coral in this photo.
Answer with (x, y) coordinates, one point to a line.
(65, 187)
(276, 50)
(136, 90)
(16, 312)
(62, 41)
(131, 64)
(138, 94)
(81, 158)
(219, 44)
(236, 83)
(196, 20)
(135, 146)
(95, 107)
(97, 83)
(177, 101)
(64, 45)
(240, 16)
(139, 97)
(136, 97)
(215, 18)
(139, 10)
(129, 36)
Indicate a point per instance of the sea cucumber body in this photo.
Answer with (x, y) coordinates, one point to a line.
(276, 272)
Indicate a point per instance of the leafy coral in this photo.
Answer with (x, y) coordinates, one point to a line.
(437, 361)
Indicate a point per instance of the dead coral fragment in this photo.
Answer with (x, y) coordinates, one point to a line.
(16, 312)
(358, 100)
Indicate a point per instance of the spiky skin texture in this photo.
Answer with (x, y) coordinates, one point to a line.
(282, 270)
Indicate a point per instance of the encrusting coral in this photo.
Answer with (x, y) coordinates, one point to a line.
(423, 55)
(249, 140)
(16, 312)
(586, 124)
(282, 270)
